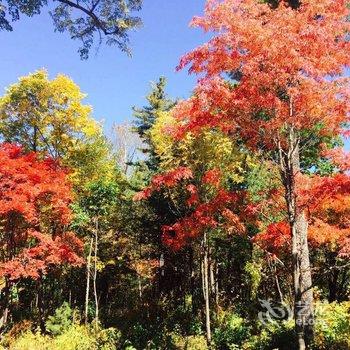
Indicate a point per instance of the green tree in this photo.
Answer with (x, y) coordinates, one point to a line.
(158, 102)
(87, 21)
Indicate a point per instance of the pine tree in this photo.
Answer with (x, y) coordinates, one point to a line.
(158, 102)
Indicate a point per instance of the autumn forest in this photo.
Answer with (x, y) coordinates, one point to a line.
(218, 221)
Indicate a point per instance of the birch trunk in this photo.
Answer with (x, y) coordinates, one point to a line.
(95, 274)
(88, 272)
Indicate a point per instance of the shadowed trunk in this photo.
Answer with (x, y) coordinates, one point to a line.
(205, 276)
(302, 282)
(41, 308)
(303, 295)
(5, 308)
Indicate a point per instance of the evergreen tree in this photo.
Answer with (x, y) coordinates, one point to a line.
(158, 101)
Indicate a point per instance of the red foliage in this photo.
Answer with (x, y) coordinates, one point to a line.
(276, 52)
(275, 239)
(206, 212)
(206, 215)
(212, 177)
(289, 67)
(34, 211)
(168, 179)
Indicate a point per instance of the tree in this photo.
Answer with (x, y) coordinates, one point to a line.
(126, 145)
(197, 175)
(158, 102)
(49, 117)
(34, 214)
(45, 115)
(286, 84)
(87, 21)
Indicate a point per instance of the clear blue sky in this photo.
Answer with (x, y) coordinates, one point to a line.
(114, 82)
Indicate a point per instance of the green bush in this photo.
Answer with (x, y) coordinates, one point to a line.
(332, 331)
(108, 339)
(230, 332)
(332, 326)
(61, 321)
(272, 335)
(193, 342)
(77, 337)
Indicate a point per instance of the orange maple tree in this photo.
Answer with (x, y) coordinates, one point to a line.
(34, 213)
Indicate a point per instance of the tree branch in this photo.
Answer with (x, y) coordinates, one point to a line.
(91, 14)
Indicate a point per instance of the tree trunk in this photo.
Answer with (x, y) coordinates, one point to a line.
(333, 278)
(40, 294)
(303, 309)
(303, 296)
(87, 292)
(95, 274)
(5, 305)
(206, 286)
(192, 281)
(213, 278)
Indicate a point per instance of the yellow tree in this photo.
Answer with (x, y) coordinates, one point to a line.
(45, 115)
(49, 117)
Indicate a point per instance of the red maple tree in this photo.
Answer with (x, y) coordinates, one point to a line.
(34, 213)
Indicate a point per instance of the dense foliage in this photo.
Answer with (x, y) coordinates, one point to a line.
(230, 219)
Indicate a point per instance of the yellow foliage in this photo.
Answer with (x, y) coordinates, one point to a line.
(45, 115)
(211, 149)
(48, 116)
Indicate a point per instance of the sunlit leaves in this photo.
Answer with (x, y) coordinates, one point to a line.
(34, 213)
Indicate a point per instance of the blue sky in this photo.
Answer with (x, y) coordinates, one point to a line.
(114, 82)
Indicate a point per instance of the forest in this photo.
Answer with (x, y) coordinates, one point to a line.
(218, 221)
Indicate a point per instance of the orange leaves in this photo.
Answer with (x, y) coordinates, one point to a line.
(321, 233)
(168, 179)
(34, 210)
(276, 238)
(212, 177)
(25, 182)
(281, 56)
(145, 268)
(339, 158)
(317, 191)
(283, 40)
(33, 261)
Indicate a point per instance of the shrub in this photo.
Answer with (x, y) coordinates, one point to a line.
(196, 342)
(61, 321)
(272, 335)
(31, 341)
(77, 337)
(230, 332)
(332, 328)
(192, 342)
